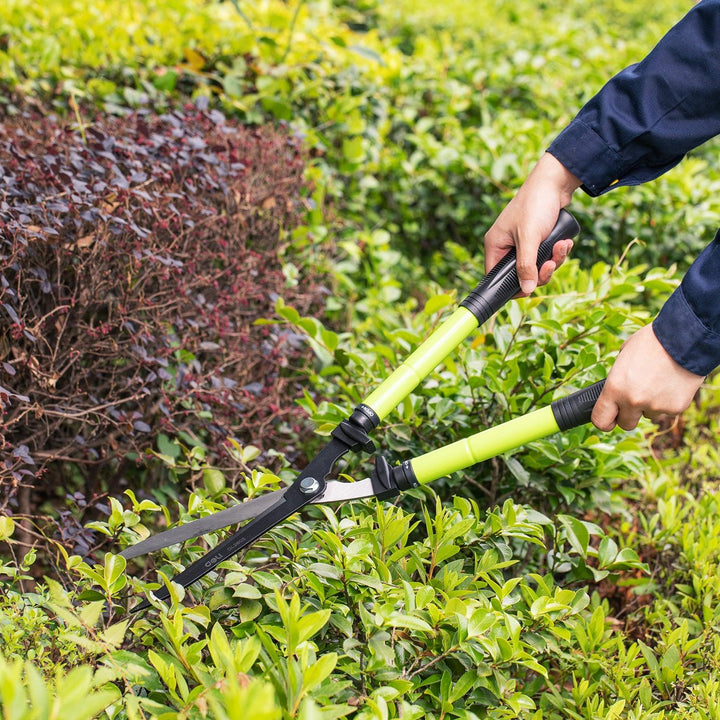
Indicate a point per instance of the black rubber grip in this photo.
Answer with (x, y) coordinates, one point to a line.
(576, 409)
(501, 283)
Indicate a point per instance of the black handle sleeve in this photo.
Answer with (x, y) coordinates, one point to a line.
(576, 409)
(502, 283)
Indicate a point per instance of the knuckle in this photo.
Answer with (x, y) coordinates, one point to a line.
(675, 408)
(612, 389)
(495, 236)
(603, 425)
(637, 400)
(525, 265)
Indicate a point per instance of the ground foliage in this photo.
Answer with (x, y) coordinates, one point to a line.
(570, 579)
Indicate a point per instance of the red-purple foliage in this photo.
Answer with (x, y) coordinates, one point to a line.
(134, 262)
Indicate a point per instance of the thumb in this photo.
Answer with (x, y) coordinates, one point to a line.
(527, 249)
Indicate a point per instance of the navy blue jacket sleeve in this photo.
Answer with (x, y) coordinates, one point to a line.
(688, 326)
(641, 124)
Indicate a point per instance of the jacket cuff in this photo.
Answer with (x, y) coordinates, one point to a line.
(587, 156)
(685, 337)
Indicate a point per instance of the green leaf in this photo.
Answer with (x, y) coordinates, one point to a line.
(114, 567)
(607, 551)
(463, 685)
(37, 690)
(165, 81)
(352, 149)
(165, 669)
(214, 480)
(249, 453)
(576, 533)
(627, 558)
(245, 590)
(134, 668)
(519, 702)
(518, 471)
(671, 659)
(310, 624)
(115, 634)
(220, 650)
(437, 302)
(409, 622)
(90, 614)
(7, 527)
(649, 656)
(316, 673)
(368, 53)
(278, 106)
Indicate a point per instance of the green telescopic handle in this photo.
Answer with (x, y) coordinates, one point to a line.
(497, 287)
(568, 412)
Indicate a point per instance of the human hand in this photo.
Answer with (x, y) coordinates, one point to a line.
(528, 219)
(644, 380)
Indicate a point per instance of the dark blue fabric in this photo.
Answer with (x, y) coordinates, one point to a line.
(688, 326)
(642, 123)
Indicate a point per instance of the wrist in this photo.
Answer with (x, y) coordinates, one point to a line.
(553, 172)
(670, 360)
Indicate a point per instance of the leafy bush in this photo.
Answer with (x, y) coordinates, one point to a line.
(350, 614)
(532, 353)
(136, 255)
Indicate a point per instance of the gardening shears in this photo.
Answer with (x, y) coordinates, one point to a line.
(352, 435)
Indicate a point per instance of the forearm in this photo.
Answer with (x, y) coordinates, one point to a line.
(637, 127)
(646, 118)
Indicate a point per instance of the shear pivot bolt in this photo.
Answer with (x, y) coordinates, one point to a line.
(309, 485)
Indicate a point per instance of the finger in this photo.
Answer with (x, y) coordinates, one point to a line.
(605, 412)
(657, 417)
(561, 251)
(628, 417)
(497, 244)
(546, 272)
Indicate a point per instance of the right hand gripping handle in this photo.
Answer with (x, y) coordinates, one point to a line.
(502, 283)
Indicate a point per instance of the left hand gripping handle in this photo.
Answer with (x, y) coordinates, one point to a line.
(502, 283)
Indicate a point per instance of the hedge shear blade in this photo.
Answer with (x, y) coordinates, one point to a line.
(352, 434)
(335, 491)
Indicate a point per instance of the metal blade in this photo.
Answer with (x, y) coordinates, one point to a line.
(337, 491)
(216, 521)
(293, 499)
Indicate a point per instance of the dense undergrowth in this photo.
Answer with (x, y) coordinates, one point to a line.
(574, 578)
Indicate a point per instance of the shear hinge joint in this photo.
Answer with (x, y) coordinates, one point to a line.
(390, 481)
(353, 436)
